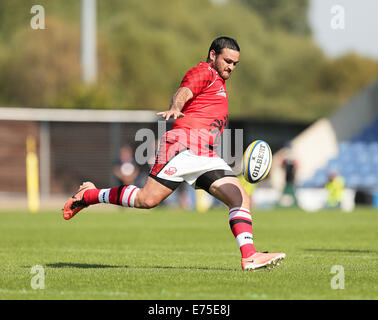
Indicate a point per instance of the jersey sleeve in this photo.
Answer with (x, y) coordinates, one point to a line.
(197, 79)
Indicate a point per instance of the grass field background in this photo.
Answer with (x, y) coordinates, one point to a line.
(158, 254)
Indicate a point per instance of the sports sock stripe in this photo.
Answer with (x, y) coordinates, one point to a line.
(129, 195)
(240, 221)
(123, 195)
(244, 238)
(239, 209)
(130, 200)
(119, 193)
(233, 222)
(240, 214)
(103, 195)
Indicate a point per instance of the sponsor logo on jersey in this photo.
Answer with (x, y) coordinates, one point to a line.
(222, 92)
(170, 171)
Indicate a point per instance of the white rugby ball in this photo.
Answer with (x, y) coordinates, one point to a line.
(257, 160)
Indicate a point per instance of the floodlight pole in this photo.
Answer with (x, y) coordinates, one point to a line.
(88, 41)
(44, 158)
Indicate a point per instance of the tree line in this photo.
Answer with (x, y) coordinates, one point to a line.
(145, 47)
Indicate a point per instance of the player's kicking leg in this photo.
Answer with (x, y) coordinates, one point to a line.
(147, 197)
(230, 191)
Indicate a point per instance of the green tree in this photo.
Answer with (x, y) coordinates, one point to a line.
(346, 75)
(290, 15)
(145, 47)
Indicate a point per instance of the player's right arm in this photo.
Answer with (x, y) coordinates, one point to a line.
(195, 80)
(182, 96)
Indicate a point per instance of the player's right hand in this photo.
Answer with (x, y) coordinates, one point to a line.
(175, 114)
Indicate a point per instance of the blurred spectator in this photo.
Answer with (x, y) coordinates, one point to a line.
(289, 164)
(126, 168)
(183, 194)
(335, 188)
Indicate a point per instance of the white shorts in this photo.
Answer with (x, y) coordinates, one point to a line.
(185, 166)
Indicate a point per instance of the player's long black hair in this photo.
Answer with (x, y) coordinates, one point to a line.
(221, 43)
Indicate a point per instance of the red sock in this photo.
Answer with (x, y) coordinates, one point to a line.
(241, 226)
(91, 196)
(123, 195)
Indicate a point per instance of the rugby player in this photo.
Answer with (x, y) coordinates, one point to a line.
(186, 154)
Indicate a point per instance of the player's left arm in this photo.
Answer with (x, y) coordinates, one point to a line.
(182, 96)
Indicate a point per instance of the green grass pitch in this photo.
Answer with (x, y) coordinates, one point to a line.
(166, 253)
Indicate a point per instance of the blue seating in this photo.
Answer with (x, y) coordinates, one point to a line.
(357, 161)
(353, 181)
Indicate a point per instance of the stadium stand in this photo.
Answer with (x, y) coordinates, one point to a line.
(356, 162)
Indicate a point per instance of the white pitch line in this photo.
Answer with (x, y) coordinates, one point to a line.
(64, 292)
(116, 293)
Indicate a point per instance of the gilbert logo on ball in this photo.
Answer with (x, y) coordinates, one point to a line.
(257, 160)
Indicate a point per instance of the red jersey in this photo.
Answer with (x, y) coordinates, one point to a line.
(206, 114)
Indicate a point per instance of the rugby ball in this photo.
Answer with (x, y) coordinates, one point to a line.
(257, 160)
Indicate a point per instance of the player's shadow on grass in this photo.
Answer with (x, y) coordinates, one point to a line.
(103, 266)
(185, 268)
(80, 265)
(342, 250)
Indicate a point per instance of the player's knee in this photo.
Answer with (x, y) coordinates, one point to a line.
(230, 193)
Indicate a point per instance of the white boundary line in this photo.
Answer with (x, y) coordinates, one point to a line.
(77, 115)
